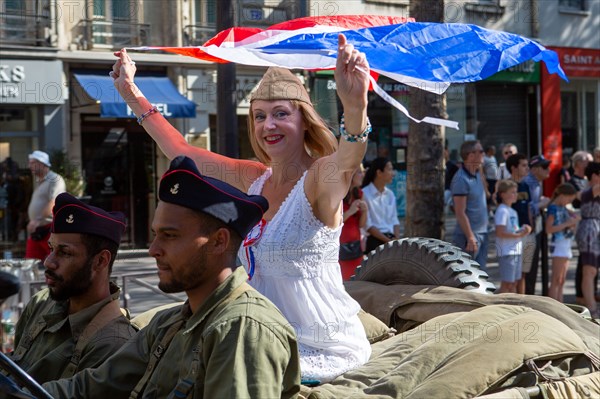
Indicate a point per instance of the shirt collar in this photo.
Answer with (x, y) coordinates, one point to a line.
(237, 278)
(79, 320)
(468, 173)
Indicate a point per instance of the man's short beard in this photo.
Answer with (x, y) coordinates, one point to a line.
(76, 285)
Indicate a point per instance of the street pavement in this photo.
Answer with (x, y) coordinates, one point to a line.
(135, 272)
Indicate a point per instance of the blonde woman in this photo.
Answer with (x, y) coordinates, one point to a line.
(292, 255)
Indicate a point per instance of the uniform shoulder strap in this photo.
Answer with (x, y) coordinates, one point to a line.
(108, 313)
(186, 384)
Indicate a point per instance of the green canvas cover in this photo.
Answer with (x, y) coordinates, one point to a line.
(462, 355)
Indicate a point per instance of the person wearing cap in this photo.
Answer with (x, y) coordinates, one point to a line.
(227, 340)
(49, 185)
(539, 170)
(304, 173)
(76, 322)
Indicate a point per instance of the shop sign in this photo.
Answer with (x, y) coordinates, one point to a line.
(31, 82)
(526, 72)
(579, 62)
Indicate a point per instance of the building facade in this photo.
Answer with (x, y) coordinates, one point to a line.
(55, 93)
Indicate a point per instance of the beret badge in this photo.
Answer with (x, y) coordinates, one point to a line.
(184, 185)
(70, 215)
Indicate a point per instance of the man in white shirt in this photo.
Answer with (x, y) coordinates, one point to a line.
(49, 185)
(383, 224)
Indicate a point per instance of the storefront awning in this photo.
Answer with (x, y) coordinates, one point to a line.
(158, 90)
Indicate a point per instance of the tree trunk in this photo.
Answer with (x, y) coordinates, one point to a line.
(425, 164)
(227, 126)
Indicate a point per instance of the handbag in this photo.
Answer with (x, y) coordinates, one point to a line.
(350, 250)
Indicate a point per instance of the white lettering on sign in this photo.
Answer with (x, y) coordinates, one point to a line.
(9, 92)
(162, 108)
(525, 67)
(15, 74)
(578, 59)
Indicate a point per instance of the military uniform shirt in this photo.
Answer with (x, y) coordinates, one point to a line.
(247, 350)
(51, 351)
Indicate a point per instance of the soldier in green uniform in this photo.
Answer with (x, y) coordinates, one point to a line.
(227, 340)
(76, 322)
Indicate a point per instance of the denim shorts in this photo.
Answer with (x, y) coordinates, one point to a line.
(510, 268)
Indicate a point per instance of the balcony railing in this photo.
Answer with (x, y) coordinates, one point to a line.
(25, 30)
(112, 34)
(249, 14)
(197, 35)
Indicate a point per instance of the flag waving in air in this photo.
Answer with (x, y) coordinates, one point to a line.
(429, 56)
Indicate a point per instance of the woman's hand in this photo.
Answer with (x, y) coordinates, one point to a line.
(351, 76)
(362, 206)
(123, 72)
(354, 207)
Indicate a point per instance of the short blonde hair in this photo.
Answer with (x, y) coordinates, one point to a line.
(505, 185)
(319, 141)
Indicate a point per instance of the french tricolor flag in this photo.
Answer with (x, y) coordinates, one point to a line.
(429, 56)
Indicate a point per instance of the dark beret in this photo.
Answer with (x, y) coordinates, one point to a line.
(184, 185)
(73, 216)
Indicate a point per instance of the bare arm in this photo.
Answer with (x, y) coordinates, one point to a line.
(460, 208)
(362, 222)
(503, 233)
(550, 228)
(330, 176)
(238, 173)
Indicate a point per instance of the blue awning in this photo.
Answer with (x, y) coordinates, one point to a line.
(158, 90)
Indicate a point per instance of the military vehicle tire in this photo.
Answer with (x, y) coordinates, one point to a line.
(423, 261)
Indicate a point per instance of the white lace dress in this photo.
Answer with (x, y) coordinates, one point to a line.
(296, 267)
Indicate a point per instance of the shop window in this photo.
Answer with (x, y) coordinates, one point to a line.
(18, 119)
(569, 121)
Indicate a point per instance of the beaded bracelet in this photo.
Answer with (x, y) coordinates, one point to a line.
(352, 138)
(146, 114)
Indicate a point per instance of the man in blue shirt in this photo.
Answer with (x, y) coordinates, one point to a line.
(468, 194)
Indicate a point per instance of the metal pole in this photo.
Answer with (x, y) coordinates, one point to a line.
(544, 248)
(227, 127)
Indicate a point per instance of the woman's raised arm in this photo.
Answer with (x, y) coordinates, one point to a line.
(334, 172)
(238, 173)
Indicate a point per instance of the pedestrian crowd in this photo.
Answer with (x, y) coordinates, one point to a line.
(508, 199)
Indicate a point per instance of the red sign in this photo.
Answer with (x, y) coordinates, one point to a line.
(578, 61)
